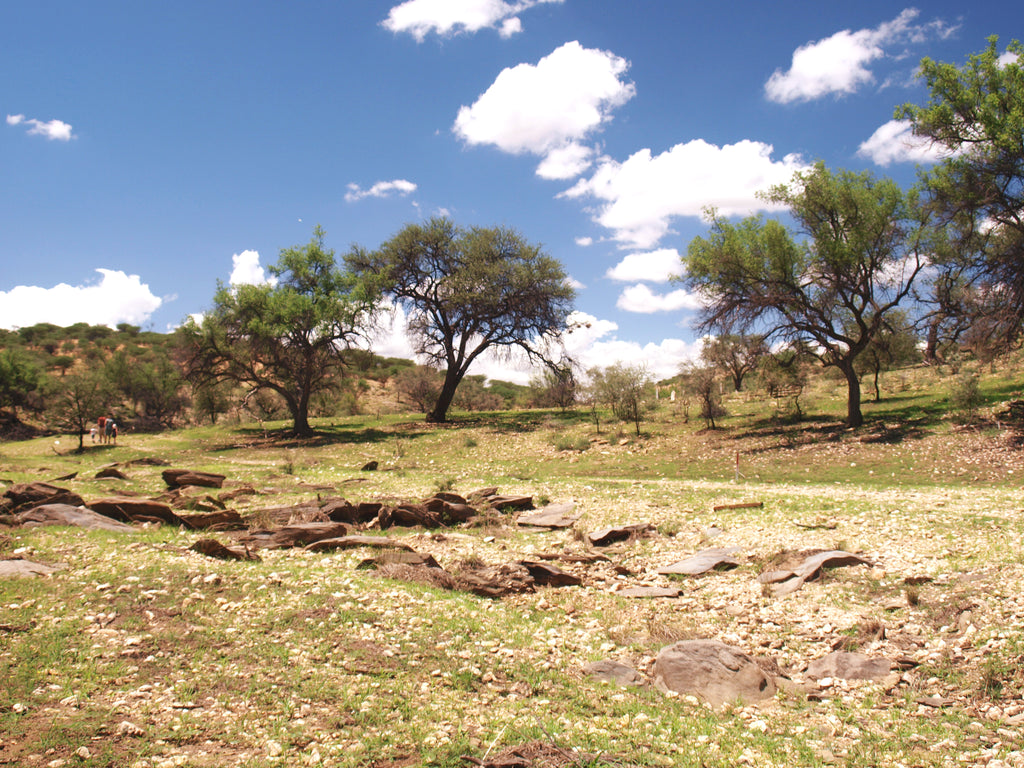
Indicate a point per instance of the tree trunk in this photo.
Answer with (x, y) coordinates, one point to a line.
(854, 418)
(439, 414)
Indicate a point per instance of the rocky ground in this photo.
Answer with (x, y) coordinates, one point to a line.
(138, 650)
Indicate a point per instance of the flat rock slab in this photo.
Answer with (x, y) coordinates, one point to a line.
(713, 671)
(849, 666)
(494, 580)
(19, 569)
(549, 576)
(129, 509)
(553, 516)
(352, 542)
(704, 561)
(615, 672)
(399, 557)
(605, 537)
(786, 580)
(65, 514)
(177, 478)
(298, 535)
(650, 592)
(23, 496)
(213, 548)
(227, 520)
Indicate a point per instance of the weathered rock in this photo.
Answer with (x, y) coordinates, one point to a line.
(129, 509)
(65, 514)
(849, 666)
(213, 548)
(10, 569)
(713, 671)
(23, 496)
(408, 516)
(649, 592)
(704, 561)
(605, 537)
(227, 520)
(510, 502)
(494, 580)
(553, 516)
(398, 557)
(549, 576)
(610, 671)
(351, 542)
(110, 473)
(151, 461)
(806, 566)
(177, 478)
(370, 466)
(306, 512)
(298, 535)
(450, 508)
(344, 511)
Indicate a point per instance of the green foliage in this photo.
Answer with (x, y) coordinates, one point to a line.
(287, 337)
(467, 291)
(626, 390)
(702, 382)
(862, 248)
(974, 113)
(20, 379)
(965, 397)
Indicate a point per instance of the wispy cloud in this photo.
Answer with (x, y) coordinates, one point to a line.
(399, 187)
(54, 130)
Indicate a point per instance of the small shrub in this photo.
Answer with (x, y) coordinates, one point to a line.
(965, 398)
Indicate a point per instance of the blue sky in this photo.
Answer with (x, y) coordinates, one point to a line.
(149, 150)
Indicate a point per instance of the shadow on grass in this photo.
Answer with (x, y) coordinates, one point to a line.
(325, 436)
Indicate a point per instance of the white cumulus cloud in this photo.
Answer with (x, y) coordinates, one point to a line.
(840, 63)
(641, 299)
(895, 142)
(116, 298)
(54, 130)
(450, 17)
(549, 108)
(594, 344)
(640, 197)
(651, 266)
(399, 187)
(246, 270)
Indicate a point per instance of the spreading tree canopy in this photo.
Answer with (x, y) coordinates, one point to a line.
(466, 291)
(975, 114)
(289, 337)
(833, 288)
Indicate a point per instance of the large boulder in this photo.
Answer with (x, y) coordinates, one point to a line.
(713, 671)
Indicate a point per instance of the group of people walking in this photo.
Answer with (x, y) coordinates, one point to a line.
(105, 430)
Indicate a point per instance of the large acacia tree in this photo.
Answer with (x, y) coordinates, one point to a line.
(289, 337)
(858, 250)
(466, 291)
(975, 113)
